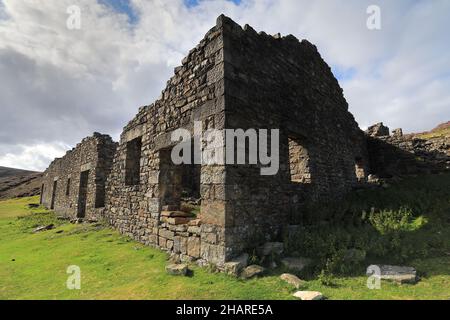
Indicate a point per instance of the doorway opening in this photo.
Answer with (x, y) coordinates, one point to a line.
(55, 185)
(82, 195)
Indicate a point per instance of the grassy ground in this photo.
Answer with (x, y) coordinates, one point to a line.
(33, 266)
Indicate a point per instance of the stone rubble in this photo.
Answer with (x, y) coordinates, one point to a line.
(399, 274)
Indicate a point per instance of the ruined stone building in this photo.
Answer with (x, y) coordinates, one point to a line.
(74, 185)
(235, 78)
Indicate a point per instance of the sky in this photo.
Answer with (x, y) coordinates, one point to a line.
(58, 85)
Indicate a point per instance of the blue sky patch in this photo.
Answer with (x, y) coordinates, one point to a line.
(122, 6)
(193, 3)
(343, 74)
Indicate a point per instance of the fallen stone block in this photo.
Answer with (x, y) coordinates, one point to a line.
(292, 280)
(235, 266)
(177, 269)
(308, 295)
(399, 274)
(252, 271)
(44, 228)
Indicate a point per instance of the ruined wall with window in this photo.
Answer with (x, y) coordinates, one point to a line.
(74, 185)
(281, 82)
(234, 79)
(177, 208)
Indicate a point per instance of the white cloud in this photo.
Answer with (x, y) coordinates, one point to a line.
(65, 84)
(34, 157)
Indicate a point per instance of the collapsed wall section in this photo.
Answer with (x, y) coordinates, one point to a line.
(398, 154)
(74, 185)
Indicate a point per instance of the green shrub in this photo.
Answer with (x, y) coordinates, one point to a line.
(408, 220)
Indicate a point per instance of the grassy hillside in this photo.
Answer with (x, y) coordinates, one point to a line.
(12, 172)
(33, 266)
(18, 183)
(442, 130)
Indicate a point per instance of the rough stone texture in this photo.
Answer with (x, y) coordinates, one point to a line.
(280, 82)
(398, 154)
(398, 274)
(235, 266)
(292, 280)
(89, 162)
(177, 269)
(378, 130)
(308, 295)
(252, 271)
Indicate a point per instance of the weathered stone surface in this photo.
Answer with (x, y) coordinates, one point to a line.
(252, 271)
(308, 295)
(295, 264)
(292, 280)
(177, 220)
(400, 154)
(177, 269)
(89, 163)
(235, 266)
(398, 274)
(378, 130)
(195, 222)
(193, 247)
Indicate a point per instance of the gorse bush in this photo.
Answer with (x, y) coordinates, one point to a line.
(386, 221)
(408, 220)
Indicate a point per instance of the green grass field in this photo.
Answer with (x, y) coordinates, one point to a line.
(33, 266)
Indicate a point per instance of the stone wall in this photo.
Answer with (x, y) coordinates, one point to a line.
(398, 154)
(74, 185)
(276, 82)
(235, 79)
(150, 210)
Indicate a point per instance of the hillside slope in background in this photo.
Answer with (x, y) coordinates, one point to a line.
(441, 131)
(15, 183)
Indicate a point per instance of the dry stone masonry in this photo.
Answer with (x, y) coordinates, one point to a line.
(398, 154)
(74, 185)
(235, 78)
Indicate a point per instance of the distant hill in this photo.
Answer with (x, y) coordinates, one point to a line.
(16, 183)
(442, 130)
